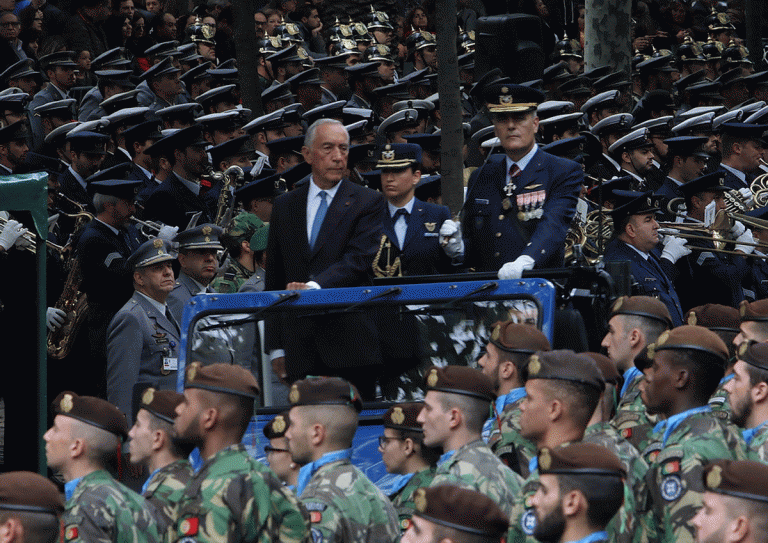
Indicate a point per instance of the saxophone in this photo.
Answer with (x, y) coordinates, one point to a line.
(74, 303)
(232, 176)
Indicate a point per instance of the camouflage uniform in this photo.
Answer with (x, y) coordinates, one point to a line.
(165, 489)
(344, 506)
(474, 466)
(507, 443)
(101, 509)
(234, 498)
(757, 445)
(675, 477)
(721, 408)
(402, 500)
(632, 419)
(630, 525)
(232, 279)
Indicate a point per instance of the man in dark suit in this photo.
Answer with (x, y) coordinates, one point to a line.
(324, 234)
(635, 241)
(178, 198)
(518, 209)
(143, 338)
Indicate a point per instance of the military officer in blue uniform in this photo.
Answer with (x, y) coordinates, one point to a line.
(412, 227)
(686, 159)
(636, 238)
(143, 339)
(518, 209)
(742, 146)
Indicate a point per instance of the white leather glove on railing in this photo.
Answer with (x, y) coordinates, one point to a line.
(515, 269)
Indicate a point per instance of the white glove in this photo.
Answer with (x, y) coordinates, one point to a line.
(55, 318)
(748, 196)
(12, 231)
(514, 270)
(737, 229)
(746, 237)
(168, 232)
(675, 248)
(450, 239)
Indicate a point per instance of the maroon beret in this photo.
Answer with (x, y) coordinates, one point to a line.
(403, 417)
(738, 478)
(716, 317)
(693, 338)
(755, 311)
(461, 509)
(161, 403)
(642, 306)
(325, 391)
(580, 459)
(512, 337)
(29, 492)
(460, 380)
(222, 378)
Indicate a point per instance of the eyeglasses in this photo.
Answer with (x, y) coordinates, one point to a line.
(383, 440)
(268, 450)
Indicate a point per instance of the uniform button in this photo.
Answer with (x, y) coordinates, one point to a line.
(496, 254)
(498, 234)
(501, 217)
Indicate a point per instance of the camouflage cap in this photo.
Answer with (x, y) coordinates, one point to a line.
(403, 417)
(512, 337)
(222, 378)
(738, 478)
(161, 403)
(242, 228)
(607, 367)
(754, 353)
(205, 236)
(259, 238)
(754, 311)
(91, 410)
(460, 380)
(580, 459)
(693, 338)
(325, 391)
(29, 492)
(461, 509)
(565, 366)
(277, 426)
(642, 306)
(716, 317)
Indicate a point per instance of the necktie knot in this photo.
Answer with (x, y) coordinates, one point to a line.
(402, 212)
(514, 171)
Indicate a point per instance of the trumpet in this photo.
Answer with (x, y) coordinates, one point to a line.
(151, 225)
(30, 238)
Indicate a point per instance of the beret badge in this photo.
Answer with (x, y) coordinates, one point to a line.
(432, 379)
(66, 403)
(714, 477)
(148, 396)
(420, 500)
(294, 395)
(278, 425)
(545, 459)
(534, 365)
(398, 417)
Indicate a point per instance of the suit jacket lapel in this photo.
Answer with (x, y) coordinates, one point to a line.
(339, 206)
(531, 172)
(156, 316)
(414, 219)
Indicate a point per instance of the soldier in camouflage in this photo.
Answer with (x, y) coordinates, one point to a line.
(562, 391)
(84, 438)
(635, 322)
(754, 322)
(686, 364)
(505, 357)
(459, 515)
(232, 497)
(735, 503)
(236, 240)
(405, 455)
(30, 508)
(580, 490)
(748, 392)
(724, 321)
(456, 404)
(154, 445)
(628, 525)
(278, 455)
(343, 504)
